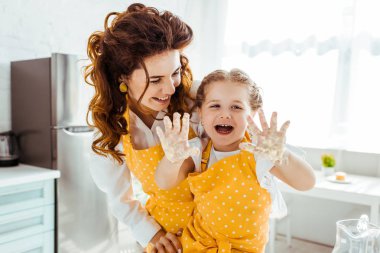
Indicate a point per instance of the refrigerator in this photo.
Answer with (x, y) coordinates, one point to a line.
(49, 101)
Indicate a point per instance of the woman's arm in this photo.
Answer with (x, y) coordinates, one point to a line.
(295, 172)
(115, 181)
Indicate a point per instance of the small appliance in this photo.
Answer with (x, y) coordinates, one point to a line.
(8, 149)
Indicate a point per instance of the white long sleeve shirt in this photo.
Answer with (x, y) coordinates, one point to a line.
(116, 181)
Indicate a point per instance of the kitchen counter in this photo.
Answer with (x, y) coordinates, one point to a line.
(361, 190)
(27, 208)
(23, 173)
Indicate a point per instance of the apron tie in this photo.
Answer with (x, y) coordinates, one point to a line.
(224, 246)
(212, 246)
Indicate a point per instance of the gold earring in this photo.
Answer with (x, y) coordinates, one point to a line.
(123, 87)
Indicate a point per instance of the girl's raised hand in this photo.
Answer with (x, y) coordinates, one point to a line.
(175, 139)
(270, 142)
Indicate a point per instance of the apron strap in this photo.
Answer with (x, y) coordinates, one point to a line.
(206, 153)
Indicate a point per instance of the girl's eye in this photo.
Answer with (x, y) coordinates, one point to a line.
(214, 106)
(235, 107)
(156, 81)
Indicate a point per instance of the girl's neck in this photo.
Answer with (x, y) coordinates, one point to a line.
(227, 148)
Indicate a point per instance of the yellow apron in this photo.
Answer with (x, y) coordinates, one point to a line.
(232, 210)
(170, 208)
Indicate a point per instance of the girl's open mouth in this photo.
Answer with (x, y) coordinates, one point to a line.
(224, 129)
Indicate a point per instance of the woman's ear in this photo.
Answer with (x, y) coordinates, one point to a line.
(123, 78)
(199, 112)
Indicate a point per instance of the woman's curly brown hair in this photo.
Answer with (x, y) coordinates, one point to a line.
(131, 37)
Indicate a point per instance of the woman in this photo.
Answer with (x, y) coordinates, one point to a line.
(139, 75)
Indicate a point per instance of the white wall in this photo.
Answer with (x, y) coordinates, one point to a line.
(36, 28)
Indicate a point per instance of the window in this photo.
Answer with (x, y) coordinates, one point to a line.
(317, 63)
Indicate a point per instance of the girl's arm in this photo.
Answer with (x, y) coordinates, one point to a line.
(176, 163)
(295, 172)
(168, 175)
(288, 167)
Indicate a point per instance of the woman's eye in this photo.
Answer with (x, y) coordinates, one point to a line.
(214, 106)
(156, 81)
(176, 73)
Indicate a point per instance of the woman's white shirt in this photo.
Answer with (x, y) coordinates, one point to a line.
(116, 182)
(143, 136)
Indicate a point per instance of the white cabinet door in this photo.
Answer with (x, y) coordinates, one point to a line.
(41, 243)
(26, 196)
(27, 218)
(25, 223)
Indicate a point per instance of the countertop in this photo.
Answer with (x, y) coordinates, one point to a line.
(362, 190)
(23, 173)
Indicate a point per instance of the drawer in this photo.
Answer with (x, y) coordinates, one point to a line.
(17, 225)
(41, 243)
(26, 196)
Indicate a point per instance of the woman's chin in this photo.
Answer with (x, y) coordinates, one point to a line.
(158, 105)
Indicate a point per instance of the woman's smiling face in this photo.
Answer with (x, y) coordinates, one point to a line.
(164, 76)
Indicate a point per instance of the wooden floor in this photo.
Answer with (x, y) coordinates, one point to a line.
(299, 246)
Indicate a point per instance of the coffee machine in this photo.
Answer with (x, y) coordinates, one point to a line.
(9, 155)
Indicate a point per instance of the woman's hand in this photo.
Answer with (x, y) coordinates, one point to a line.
(175, 140)
(164, 242)
(270, 142)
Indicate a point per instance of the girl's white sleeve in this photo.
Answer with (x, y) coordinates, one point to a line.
(115, 181)
(269, 182)
(196, 142)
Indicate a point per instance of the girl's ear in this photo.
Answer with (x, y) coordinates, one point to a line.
(253, 113)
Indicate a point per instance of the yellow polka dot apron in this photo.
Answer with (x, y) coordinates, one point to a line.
(232, 210)
(170, 208)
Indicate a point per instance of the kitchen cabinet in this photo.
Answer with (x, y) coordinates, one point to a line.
(27, 201)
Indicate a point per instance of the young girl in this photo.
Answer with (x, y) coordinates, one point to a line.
(233, 189)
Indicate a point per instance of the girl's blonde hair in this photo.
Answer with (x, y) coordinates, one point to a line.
(131, 36)
(235, 76)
